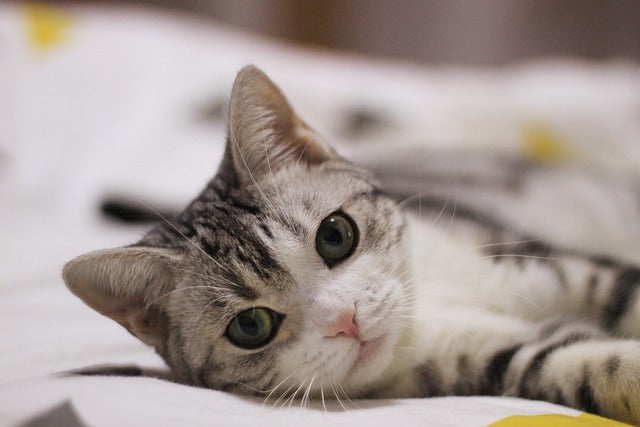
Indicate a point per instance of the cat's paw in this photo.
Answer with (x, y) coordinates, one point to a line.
(603, 378)
(616, 385)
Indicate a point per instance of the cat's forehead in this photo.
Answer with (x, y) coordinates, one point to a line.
(241, 238)
(318, 190)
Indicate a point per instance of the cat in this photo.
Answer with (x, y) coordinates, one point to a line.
(294, 273)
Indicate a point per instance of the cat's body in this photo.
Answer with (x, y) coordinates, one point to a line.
(295, 273)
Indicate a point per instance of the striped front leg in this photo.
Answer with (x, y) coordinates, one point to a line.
(574, 364)
(580, 367)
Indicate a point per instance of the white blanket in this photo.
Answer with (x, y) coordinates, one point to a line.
(97, 101)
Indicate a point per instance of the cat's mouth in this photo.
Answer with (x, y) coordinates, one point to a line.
(367, 352)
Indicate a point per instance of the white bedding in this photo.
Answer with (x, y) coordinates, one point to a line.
(97, 101)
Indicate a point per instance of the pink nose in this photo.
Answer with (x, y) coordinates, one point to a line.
(345, 324)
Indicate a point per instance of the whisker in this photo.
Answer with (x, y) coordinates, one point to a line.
(250, 387)
(267, 157)
(302, 152)
(171, 292)
(453, 213)
(512, 242)
(204, 309)
(295, 393)
(279, 384)
(346, 396)
(520, 256)
(305, 397)
(403, 347)
(209, 277)
(177, 230)
(324, 406)
(282, 153)
(253, 178)
(282, 395)
(335, 393)
(418, 194)
(524, 298)
(444, 206)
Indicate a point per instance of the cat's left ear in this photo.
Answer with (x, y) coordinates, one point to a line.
(265, 133)
(129, 285)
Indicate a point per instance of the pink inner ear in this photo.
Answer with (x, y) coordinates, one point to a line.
(262, 124)
(310, 145)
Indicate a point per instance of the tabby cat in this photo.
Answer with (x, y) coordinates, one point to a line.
(294, 273)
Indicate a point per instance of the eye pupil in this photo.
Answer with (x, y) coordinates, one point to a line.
(337, 238)
(248, 325)
(332, 236)
(253, 328)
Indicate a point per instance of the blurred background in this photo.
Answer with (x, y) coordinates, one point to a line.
(438, 31)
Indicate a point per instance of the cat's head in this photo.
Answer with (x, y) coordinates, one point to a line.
(286, 273)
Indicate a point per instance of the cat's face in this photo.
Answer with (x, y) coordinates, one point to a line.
(286, 274)
(311, 304)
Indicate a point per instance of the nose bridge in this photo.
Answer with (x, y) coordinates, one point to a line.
(333, 311)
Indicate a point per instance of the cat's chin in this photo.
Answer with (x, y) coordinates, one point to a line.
(369, 363)
(368, 350)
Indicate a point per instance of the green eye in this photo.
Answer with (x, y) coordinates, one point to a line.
(336, 238)
(253, 328)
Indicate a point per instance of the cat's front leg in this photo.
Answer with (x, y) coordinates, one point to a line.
(598, 375)
(469, 352)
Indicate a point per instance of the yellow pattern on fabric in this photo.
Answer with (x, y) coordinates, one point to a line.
(557, 420)
(46, 26)
(541, 143)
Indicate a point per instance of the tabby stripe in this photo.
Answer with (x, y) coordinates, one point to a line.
(464, 385)
(208, 368)
(555, 395)
(260, 261)
(209, 247)
(369, 194)
(266, 258)
(435, 205)
(255, 378)
(592, 285)
(622, 294)
(612, 365)
(496, 369)
(560, 273)
(265, 229)
(584, 396)
(240, 288)
(430, 381)
(377, 191)
(535, 248)
(179, 230)
(536, 362)
(201, 376)
(247, 207)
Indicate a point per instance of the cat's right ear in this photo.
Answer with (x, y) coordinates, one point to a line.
(265, 133)
(129, 285)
